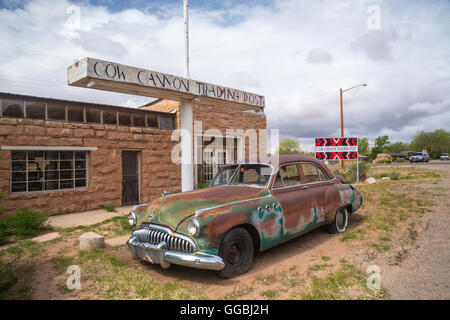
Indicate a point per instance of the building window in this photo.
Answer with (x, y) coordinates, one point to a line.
(48, 170)
(152, 120)
(56, 112)
(109, 117)
(59, 111)
(35, 110)
(93, 115)
(75, 114)
(138, 120)
(165, 123)
(124, 119)
(13, 108)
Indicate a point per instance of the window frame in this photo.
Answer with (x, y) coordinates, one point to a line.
(317, 167)
(238, 166)
(155, 116)
(74, 188)
(300, 169)
(278, 172)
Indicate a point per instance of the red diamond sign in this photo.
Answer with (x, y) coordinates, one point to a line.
(336, 148)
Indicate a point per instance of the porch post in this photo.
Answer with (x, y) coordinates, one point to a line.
(187, 167)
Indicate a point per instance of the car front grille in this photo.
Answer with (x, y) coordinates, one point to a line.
(157, 235)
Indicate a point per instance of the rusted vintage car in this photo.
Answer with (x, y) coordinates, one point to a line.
(247, 208)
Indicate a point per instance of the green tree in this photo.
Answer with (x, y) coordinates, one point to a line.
(397, 147)
(381, 145)
(434, 143)
(363, 146)
(289, 146)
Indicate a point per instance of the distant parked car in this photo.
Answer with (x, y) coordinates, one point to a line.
(419, 157)
(444, 156)
(406, 154)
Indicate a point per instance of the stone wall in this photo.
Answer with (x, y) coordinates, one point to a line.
(219, 118)
(157, 172)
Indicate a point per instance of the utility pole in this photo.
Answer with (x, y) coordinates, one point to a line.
(186, 37)
(342, 110)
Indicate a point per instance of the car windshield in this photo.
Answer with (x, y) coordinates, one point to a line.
(243, 174)
(418, 154)
(445, 154)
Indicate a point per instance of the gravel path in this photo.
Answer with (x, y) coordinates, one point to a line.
(425, 272)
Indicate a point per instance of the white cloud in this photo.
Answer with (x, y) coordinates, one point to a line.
(318, 56)
(267, 50)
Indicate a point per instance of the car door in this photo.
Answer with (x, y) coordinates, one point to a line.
(295, 199)
(323, 191)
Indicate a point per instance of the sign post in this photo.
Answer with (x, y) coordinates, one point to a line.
(342, 149)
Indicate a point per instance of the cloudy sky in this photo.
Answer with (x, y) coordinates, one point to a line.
(296, 53)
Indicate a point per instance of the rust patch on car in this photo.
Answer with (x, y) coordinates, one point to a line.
(222, 223)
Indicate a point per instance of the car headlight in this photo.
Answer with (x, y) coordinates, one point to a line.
(193, 227)
(132, 219)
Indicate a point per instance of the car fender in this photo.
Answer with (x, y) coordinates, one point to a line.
(260, 213)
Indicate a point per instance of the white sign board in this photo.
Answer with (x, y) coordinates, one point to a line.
(104, 75)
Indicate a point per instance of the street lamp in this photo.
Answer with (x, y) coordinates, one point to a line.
(342, 110)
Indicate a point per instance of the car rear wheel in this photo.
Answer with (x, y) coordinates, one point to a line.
(236, 250)
(340, 221)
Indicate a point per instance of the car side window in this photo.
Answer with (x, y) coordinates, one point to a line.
(287, 175)
(313, 173)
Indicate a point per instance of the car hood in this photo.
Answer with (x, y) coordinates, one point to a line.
(173, 209)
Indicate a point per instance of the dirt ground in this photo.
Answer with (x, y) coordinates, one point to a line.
(408, 242)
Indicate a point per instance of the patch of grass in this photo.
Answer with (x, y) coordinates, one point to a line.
(318, 267)
(238, 292)
(15, 279)
(8, 277)
(381, 222)
(270, 294)
(357, 234)
(109, 207)
(64, 290)
(292, 268)
(343, 260)
(61, 263)
(325, 258)
(24, 246)
(400, 256)
(116, 278)
(24, 223)
(290, 280)
(338, 285)
(266, 280)
(119, 226)
(380, 246)
(384, 238)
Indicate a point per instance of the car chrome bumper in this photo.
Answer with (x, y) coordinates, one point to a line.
(158, 254)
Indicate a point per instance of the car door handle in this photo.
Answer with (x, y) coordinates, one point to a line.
(305, 188)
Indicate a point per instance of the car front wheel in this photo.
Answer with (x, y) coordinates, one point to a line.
(236, 250)
(340, 221)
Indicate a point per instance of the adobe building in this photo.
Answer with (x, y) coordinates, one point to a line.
(60, 156)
